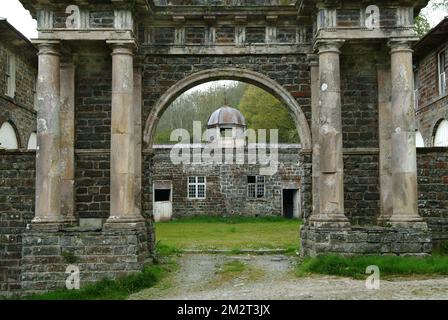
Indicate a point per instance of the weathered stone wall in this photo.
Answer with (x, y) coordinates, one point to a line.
(365, 240)
(92, 186)
(433, 190)
(17, 175)
(97, 254)
(359, 97)
(226, 188)
(19, 111)
(361, 187)
(92, 134)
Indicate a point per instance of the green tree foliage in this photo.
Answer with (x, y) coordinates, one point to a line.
(261, 110)
(264, 111)
(421, 25)
(197, 105)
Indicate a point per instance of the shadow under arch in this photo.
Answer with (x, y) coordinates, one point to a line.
(237, 74)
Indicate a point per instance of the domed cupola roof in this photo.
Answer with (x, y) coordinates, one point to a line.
(226, 117)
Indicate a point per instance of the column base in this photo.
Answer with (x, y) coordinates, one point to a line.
(50, 224)
(336, 221)
(114, 223)
(408, 222)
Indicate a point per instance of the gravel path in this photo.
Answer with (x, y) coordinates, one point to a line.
(272, 277)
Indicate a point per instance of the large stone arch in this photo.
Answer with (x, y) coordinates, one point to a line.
(238, 74)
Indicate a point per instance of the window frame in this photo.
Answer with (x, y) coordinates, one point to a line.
(196, 185)
(441, 73)
(254, 187)
(10, 75)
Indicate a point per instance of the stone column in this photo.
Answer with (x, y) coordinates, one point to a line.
(67, 125)
(122, 203)
(48, 174)
(138, 138)
(385, 136)
(331, 167)
(404, 159)
(314, 73)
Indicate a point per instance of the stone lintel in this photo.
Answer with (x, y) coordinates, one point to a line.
(365, 34)
(85, 34)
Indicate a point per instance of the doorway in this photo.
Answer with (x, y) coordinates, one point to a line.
(163, 206)
(290, 203)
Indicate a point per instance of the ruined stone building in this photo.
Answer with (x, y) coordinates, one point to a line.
(107, 70)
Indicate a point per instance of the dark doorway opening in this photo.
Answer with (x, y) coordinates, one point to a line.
(289, 203)
(162, 195)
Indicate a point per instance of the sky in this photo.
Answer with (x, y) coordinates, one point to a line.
(22, 21)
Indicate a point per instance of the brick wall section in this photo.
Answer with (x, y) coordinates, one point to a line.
(17, 175)
(361, 188)
(359, 97)
(429, 117)
(93, 101)
(433, 190)
(255, 34)
(428, 83)
(92, 188)
(225, 35)
(194, 35)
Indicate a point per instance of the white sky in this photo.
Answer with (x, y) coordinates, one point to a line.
(18, 17)
(22, 21)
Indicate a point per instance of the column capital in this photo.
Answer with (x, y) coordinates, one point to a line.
(331, 45)
(401, 44)
(126, 47)
(48, 47)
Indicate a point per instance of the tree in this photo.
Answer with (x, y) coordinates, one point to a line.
(196, 105)
(421, 25)
(264, 111)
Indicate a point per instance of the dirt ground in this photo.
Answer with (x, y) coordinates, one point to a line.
(271, 277)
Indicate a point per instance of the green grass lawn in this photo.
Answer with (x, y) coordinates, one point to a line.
(233, 233)
(390, 266)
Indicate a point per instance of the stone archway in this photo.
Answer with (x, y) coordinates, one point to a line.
(237, 74)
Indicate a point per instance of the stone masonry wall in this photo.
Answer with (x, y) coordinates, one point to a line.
(432, 107)
(17, 175)
(359, 97)
(361, 187)
(433, 190)
(97, 254)
(19, 111)
(226, 188)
